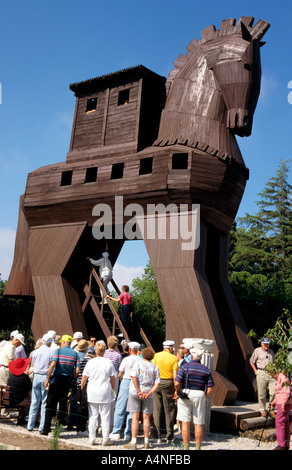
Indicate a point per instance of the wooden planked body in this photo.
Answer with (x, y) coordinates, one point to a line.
(216, 184)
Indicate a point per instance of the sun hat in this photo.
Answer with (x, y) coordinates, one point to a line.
(134, 345)
(83, 345)
(18, 366)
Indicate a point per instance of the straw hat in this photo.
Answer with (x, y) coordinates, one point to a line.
(83, 345)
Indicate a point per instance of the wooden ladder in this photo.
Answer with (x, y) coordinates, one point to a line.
(105, 313)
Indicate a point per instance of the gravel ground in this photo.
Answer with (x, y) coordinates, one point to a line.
(211, 441)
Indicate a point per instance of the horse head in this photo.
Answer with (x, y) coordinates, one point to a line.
(233, 55)
(213, 90)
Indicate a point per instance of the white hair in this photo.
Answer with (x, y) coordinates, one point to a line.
(197, 353)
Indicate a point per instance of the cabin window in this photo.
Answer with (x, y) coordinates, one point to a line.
(117, 171)
(91, 175)
(180, 161)
(91, 105)
(146, 165)
(66, 178)
(124, 97)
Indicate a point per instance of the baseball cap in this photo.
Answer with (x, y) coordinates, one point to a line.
(67, 338)
(77, 335)
(168, 343)
(47, 338)
(20, 338)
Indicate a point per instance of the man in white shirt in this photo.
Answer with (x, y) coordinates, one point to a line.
(105, 271)
(265, 382)
(19, 351)
(78, 336)
(7, 355)
(125, 370)
(41, 359)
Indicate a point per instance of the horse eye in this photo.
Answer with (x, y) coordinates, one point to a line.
(247, 67)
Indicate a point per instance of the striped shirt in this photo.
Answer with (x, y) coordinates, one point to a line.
(115, 357)
(195, 376)
(66, 359)
(83, 361)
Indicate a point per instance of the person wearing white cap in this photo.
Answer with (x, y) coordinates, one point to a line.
(78, 336)
(19, 351)
(196, 381)
(40, 360)
(186, 345)
(7, 354)
(55, 343)
(121, 414)
(167, 364)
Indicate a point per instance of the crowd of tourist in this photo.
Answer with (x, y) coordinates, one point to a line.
(87, 384)
(91, 384)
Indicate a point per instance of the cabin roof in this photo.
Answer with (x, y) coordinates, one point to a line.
(105, 81)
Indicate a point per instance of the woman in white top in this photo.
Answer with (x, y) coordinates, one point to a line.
(99, 374)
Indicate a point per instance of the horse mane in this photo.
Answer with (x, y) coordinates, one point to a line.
(243, 27)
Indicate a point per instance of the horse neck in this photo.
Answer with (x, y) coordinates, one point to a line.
(195, 110)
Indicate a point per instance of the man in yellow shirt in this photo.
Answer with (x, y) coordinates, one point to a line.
(168, 366)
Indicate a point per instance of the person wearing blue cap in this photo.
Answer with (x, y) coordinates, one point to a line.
(265, 382)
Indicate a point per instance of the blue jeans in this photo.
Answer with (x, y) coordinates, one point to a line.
(120, 410)
(38, 395)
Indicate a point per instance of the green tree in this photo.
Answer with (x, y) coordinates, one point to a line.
(148, 308)
(280, 336)
(15, 314)
(261, 254)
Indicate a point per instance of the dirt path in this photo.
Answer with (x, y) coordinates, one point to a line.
(32, 442)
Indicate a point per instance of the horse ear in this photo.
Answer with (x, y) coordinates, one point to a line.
(260, 29)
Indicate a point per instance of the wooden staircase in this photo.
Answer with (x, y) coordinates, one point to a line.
(244, 419)
(106, 314)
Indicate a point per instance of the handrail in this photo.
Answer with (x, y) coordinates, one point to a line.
(113, 311)
(115, 315)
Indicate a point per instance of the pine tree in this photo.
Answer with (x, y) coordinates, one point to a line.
(261, 256)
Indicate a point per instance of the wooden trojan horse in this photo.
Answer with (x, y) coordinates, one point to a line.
(138, 138)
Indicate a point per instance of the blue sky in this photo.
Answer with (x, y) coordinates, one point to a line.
(46, 45)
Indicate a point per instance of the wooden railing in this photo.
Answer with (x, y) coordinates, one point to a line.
(98, 310)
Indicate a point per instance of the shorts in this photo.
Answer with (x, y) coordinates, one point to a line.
(193, 409)
(136, 405)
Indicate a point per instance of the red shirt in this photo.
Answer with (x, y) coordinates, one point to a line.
(125, 298)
